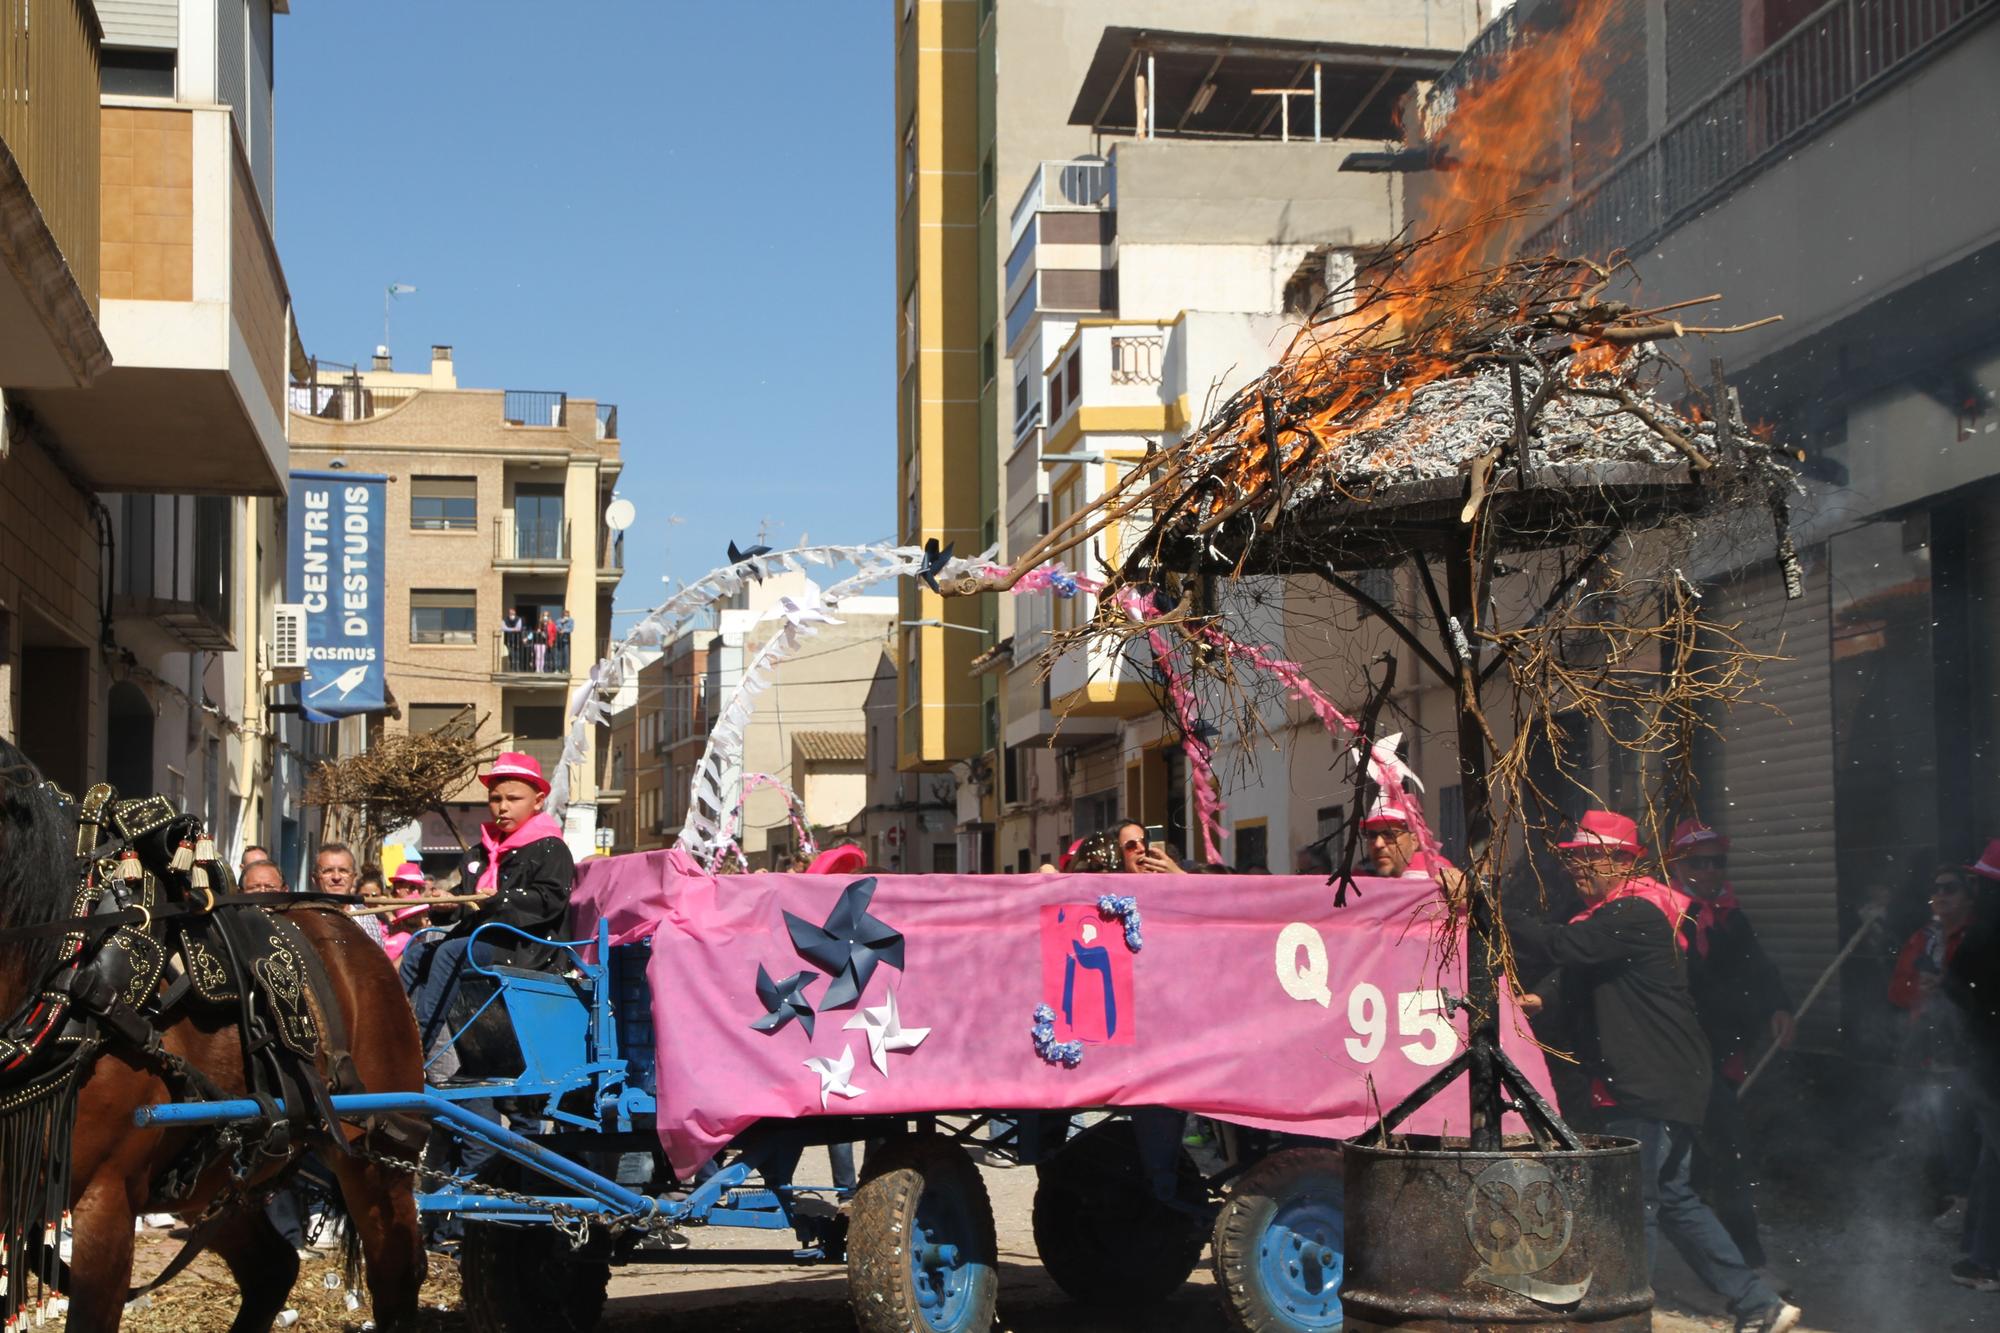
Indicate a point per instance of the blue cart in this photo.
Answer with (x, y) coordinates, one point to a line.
(578, 1184)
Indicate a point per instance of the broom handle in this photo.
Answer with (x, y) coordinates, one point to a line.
(1869, 919)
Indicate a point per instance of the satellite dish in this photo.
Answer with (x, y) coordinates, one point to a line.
(618, 515)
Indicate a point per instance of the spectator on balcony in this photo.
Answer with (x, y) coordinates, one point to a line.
(564, 628)
(538, 643)
(511, 631)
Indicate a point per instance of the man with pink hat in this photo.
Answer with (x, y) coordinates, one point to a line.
(1741, 1000)
(1620, 996)
(409, 881)
(1393, 852)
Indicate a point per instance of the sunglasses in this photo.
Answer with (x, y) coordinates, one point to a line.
(1134, 844)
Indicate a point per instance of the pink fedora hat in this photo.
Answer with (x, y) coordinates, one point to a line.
(520, 767)
(842, 860)
(409, 873)
(1383, 815)
(1601, 830)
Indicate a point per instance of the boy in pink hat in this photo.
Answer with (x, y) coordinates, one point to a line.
(1620, 996)
(1740, 999)
(524, 866)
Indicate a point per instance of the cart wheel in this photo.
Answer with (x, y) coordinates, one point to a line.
(1102, 1236)
(524, 1280)
(920, 1249)
(1280, 1244)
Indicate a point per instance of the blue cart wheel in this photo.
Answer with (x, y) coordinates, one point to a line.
(921, 1256)
(1280, 1244)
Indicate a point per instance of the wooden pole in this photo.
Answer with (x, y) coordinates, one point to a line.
(1482, 940)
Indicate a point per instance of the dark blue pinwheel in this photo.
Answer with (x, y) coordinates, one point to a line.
(850, 944)
(784, 1000)
(935, 559)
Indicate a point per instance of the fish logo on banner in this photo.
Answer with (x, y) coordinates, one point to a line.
(335, 572)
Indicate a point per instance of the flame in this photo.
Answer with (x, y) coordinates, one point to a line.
(1505, 136)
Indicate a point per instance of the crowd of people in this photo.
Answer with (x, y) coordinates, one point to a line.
(537, 642)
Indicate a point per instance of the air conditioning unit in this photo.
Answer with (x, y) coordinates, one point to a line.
(288, 643)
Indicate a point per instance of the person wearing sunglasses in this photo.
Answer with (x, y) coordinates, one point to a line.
(1740, 999)
(1140, 855)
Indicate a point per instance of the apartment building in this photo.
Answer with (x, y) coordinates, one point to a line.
(668, 726)
(147, 335)
(495, 533)
(1147, 172)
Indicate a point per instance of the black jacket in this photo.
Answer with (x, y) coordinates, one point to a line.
(1971, 981)
(1620, 996)
(1736, 987)
(532, 893)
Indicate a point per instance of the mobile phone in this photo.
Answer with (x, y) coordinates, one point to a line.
(1156, 834)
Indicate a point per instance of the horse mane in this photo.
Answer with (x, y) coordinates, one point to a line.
(37, 858)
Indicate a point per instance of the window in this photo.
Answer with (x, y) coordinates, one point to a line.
(428, 718)
(1253, 847)
(944, 858)
(539, 531)
(1056, 398)
(986, 180)
(444, 504)
(910, 158)
(1010, 776)
(214, 567)
(988, 362)
(1074, 373)
(910, 329)
(130, 72)
(443, 615)
(1094, 813)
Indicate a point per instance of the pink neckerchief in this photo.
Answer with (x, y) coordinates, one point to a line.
(1710, 913)
(1673, 904)
(542, 825)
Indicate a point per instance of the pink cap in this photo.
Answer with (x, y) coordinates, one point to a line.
(520, 767)
(1692, 833)
(1383, 815)
(1600, 830)
(842, 860)
(409, 873)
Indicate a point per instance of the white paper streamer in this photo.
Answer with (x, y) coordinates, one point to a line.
(874, 563)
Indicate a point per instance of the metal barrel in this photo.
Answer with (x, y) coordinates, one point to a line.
(1439, 1237)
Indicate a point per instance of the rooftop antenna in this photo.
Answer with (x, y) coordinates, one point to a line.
(394, 290)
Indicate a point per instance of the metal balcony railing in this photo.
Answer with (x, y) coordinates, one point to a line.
(611, 553)
(51, 122)
(1844, 53)
(544, 542)
(607, 421)
(535, 407)
(1080, 184)
(344, 399)
(1135, 358)
(530, 654)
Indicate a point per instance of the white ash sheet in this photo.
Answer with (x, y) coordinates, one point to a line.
(1451, 421)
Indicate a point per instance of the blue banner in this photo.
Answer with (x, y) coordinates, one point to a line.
(335, 571)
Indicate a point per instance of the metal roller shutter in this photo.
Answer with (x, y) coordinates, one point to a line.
(149, 23)
(1768, 783)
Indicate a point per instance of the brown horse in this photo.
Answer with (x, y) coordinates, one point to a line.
(114, 1165)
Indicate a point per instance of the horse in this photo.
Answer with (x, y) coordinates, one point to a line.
(113, 1165)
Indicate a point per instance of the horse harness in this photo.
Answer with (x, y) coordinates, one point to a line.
(149, 938)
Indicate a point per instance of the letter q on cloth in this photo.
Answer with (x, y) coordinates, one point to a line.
(1302, 968)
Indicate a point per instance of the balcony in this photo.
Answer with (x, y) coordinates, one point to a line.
(1110, 376)
(1083, 185)
(1846, 53)
(348, 398)
(530, 546)
(541, 408)
(607, 421)
(171, 580)
(1095, 682)
(519, 660)
(195, 311)
(50, 141)
(611, 557)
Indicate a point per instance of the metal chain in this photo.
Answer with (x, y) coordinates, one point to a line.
(574, 1223)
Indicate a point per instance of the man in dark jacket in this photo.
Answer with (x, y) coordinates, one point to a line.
(1972, 982)
(1740, 999)
(1620, 994)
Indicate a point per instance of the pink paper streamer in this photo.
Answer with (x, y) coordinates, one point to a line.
(795, 811)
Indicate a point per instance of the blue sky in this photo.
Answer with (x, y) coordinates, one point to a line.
(681, 208)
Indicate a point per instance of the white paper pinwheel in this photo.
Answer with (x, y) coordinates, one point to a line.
(833, 1075)
(1383, 752)
(886, 1033)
